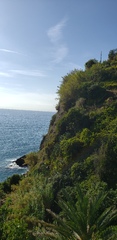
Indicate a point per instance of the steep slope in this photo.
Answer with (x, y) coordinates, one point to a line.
(80, 148)
(84, 128)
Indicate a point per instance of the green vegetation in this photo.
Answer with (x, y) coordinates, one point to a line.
(70, 190)
(85, 219)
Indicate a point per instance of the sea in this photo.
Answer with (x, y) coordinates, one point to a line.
(21, 132)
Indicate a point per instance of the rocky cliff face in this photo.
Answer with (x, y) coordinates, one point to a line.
(21, 161)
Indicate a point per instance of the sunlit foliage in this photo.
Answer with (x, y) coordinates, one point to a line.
(80, 148)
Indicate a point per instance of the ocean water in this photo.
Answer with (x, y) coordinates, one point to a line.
(21, 132)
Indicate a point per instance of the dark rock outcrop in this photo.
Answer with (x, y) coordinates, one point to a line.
(21, 161)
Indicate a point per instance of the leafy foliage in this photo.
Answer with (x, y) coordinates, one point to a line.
(90, 63)
(80, 148)
(85, 219)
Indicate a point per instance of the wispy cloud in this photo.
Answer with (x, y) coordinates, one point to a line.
(31, 73)
(59, 50)
(55, 33)
(5, 74)
(60, 53)
(9, 51)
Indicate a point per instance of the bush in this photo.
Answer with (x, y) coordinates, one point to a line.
(86, 136)
(31, 159)
(69, 89)
(6, 185)
(77, 171)
(72, 122)
(109, 167)
(71, 147)
(90, 63)
(96, 94)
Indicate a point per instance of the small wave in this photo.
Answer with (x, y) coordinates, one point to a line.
(11, 159)
(6, 162)
(13, 165)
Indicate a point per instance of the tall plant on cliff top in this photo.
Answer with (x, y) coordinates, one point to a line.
(68, 91)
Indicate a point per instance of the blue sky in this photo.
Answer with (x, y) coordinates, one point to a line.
(43, 40)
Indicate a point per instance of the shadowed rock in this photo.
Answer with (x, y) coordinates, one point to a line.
(21, 162)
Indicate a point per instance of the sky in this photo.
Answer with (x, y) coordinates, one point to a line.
(41, 41)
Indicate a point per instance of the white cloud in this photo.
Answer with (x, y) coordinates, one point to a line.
(60, 53)
(55, 33)
(29, 73)
(5, 74)
(9, 51)
(59, 50)
(32, 73)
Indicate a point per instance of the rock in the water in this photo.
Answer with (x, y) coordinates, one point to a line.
(21, 162)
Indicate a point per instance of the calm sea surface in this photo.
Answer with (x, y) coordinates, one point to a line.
(20, 133)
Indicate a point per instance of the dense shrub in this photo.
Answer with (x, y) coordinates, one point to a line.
(90, 63)
(69, 89)
(96, 94)
(109, 169)
(72, 122)
(13, 180)
(70, 147)
(31, 159)
(86, 136)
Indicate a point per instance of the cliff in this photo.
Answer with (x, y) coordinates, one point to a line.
(83, 130)
(80, 148)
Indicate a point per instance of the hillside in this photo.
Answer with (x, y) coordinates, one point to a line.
(77, 159)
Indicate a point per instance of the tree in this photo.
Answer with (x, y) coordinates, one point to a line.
(112, 54)
(90, 63)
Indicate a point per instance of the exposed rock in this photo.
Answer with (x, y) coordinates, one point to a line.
(21, 162)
